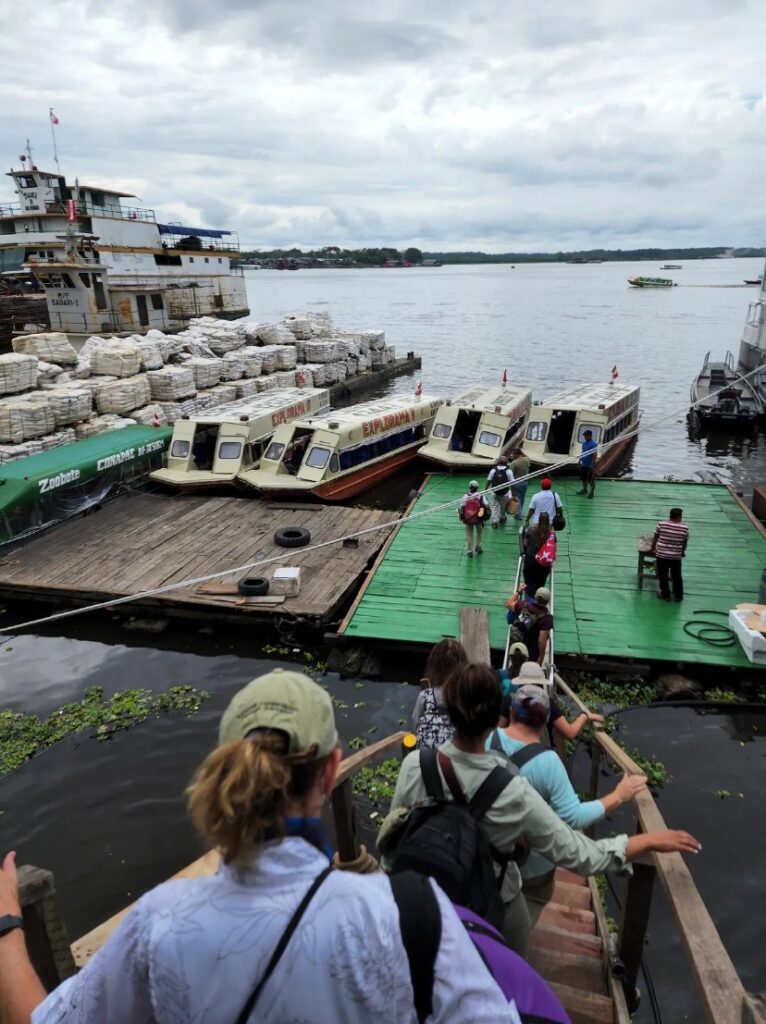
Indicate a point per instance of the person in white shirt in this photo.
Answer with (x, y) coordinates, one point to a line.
(546, 500)
(501, 477)
(199, 949)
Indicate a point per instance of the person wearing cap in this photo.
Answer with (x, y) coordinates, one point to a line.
(588, 464)
(472, 696)
(542, 767)
(530, 672)
(472, 511)
(199, 949)
(499, 480)
(518, 653)
(532, 619)
(546, 500)
(520, 469)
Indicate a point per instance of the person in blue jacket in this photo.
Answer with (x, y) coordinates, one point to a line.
(588, 464)
(543, 769)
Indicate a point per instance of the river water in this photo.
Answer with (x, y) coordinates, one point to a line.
(108, 818)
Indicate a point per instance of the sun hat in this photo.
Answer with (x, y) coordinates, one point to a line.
(542, 595)
(520, 647)
(287, 701)
(526, 695)
(530, 672)
(546, 483)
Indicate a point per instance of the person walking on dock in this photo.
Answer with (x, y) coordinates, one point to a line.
(588, 464)
(546, 500)
(669, 547)
(499, 479)
(472, 511)
(519, 468)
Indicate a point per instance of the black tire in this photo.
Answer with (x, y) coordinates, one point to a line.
(253, 586)
(292, 537)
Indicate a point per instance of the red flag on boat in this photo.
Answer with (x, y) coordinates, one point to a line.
(505, 376)
(156, 420)
(419, 389)
(71, 209)
(54, 119)
(615, 373)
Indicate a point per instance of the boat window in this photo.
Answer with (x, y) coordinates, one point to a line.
(442, 430)
(67, 280)
(179, 449)
(596, 431)
(488, 437)
(157, 302)
(274, 451)
(229, 449)
(334, 464)
(26, 181)
(536, 431)
(318, 458)
(85, 278)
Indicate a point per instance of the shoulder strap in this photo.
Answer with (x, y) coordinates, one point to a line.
(489, 791)
(421, 927)
(430, 773)
(496, 743)
(281, 946)
(448, 771)
(556, 502)
(527, 753)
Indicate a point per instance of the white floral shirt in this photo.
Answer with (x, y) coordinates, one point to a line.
(192, 951)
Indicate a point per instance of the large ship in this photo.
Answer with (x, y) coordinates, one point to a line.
(106, 266)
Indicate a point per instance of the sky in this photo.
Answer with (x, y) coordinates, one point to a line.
(498, 125)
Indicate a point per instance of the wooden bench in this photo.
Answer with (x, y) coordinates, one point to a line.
(647, 564)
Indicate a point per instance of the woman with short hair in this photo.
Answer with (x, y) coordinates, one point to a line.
(430, 720)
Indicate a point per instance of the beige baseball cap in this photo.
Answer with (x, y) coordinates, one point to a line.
(288, 701)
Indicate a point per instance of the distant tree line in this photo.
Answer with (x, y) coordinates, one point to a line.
(333, 255)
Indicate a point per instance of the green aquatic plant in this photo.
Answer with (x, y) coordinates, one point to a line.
(719, 695)
(24, 735)
(357, 743)
(377, 782)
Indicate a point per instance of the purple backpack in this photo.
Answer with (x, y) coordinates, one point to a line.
(420, 924)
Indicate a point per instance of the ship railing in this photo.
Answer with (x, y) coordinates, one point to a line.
(10, 209)
(116, 210)
(755, 314)
(35, 260)
(214, 246)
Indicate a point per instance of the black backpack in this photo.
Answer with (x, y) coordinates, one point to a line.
(500, 477)
(521, 757)
(445, 840)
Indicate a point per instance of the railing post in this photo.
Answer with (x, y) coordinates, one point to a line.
(345, 822)
(44, 929)
(595, 766)
(633, 925)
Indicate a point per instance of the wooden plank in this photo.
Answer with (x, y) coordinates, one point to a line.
(573, 969)
(634, 922)
(474, 634)
(585, 1007)
(576, 896)
(552, 937)
(575, 919)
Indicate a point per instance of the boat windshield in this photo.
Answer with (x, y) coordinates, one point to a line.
(229, 449)
(595, 430)
(274, 451)
(490, 438)
(536, 431)
(442, 430)
(179, 450)
(318, 457)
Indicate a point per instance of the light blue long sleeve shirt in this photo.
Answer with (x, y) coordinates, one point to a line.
(548, 776)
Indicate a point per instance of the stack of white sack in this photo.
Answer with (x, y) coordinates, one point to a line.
(207, 372)
(70, 405)
(222, 342)
(223, 393)
(53, 347)
(269, 358)
(319, 351)
(375, 339)
(101, 425)
(152, 415)
(253, 361)
(59, 438)
(246, 387)
(233, 366)
(341, 370)
(390, 353)
(169, 345)
(352, 366)
(299, 325)
(342, 348)
(304, 378)
(18, 372)
(331, 373)
(116, 358)
(204, 400)
(275, 334)
(267, 383)
(196, 347)
(285, 378)
(173, 411)
(318, 373)
(47, 373)
(286, 357)
(363, 362)
(123, 395)
(22, 419)
(11, 452)
(171, 384)
(91, 384)
(321, 324)
(151, 354)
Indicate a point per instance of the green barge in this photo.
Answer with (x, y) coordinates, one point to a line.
(40, 490)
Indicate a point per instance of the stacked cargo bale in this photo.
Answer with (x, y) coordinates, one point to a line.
(70, 405)
(25, 418)
(207, 372)
(116, 358)
(18, 372)
(123, 396)
(52, 346)
(171, 384)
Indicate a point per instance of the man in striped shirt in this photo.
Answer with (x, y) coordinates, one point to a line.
(669, 547)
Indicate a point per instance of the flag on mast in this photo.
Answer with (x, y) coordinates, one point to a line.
(615, 373)
(505, 376)
(419, 389)
(54, 119)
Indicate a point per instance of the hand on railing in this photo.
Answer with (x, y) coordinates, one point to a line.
(628, 786)
(666, 840)
(9, 887)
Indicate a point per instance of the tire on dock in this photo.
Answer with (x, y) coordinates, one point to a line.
(292, 537)
(253, 586)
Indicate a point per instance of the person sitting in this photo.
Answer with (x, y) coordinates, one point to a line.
(523, 741)
(430, 720)
(206, 949)
(472, 696)
(530, 619)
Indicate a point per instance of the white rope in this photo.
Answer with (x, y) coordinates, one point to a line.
(399, 521)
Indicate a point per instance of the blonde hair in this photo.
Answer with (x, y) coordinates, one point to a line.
(239, 796)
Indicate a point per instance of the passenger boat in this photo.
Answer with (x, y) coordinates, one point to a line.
(338, 454)
(719, 394)
(43, 489)
(472, 431)
(754, 280)
(556, 428)
(209, 449)
(651, 282)
(671, 266)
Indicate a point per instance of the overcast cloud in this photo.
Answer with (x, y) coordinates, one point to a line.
(447, 124)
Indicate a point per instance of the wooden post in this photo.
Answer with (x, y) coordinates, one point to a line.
(44, 929)
(633, 925)
(474, 634)
(345, 822)
(595, 765)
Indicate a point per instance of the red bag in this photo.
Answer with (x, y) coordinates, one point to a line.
(472, 510)
(547, 554)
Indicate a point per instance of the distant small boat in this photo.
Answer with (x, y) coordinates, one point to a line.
(755, 280)
(671, 266)
(719, 395)
(651, 282)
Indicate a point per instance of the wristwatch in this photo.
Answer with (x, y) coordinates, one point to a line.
(9, 922)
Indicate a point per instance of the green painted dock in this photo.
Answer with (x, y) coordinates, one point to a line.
(424, 577)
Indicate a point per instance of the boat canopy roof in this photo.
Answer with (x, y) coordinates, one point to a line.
(502, 399)
(592, 396)
(181, 229)
(266, 402)
(374, 414)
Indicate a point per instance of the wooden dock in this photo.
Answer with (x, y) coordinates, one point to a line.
(422, 578)
(145, 541)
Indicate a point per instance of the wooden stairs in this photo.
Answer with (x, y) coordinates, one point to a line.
(568, 949)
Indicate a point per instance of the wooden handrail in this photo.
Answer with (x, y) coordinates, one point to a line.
(721, 992)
